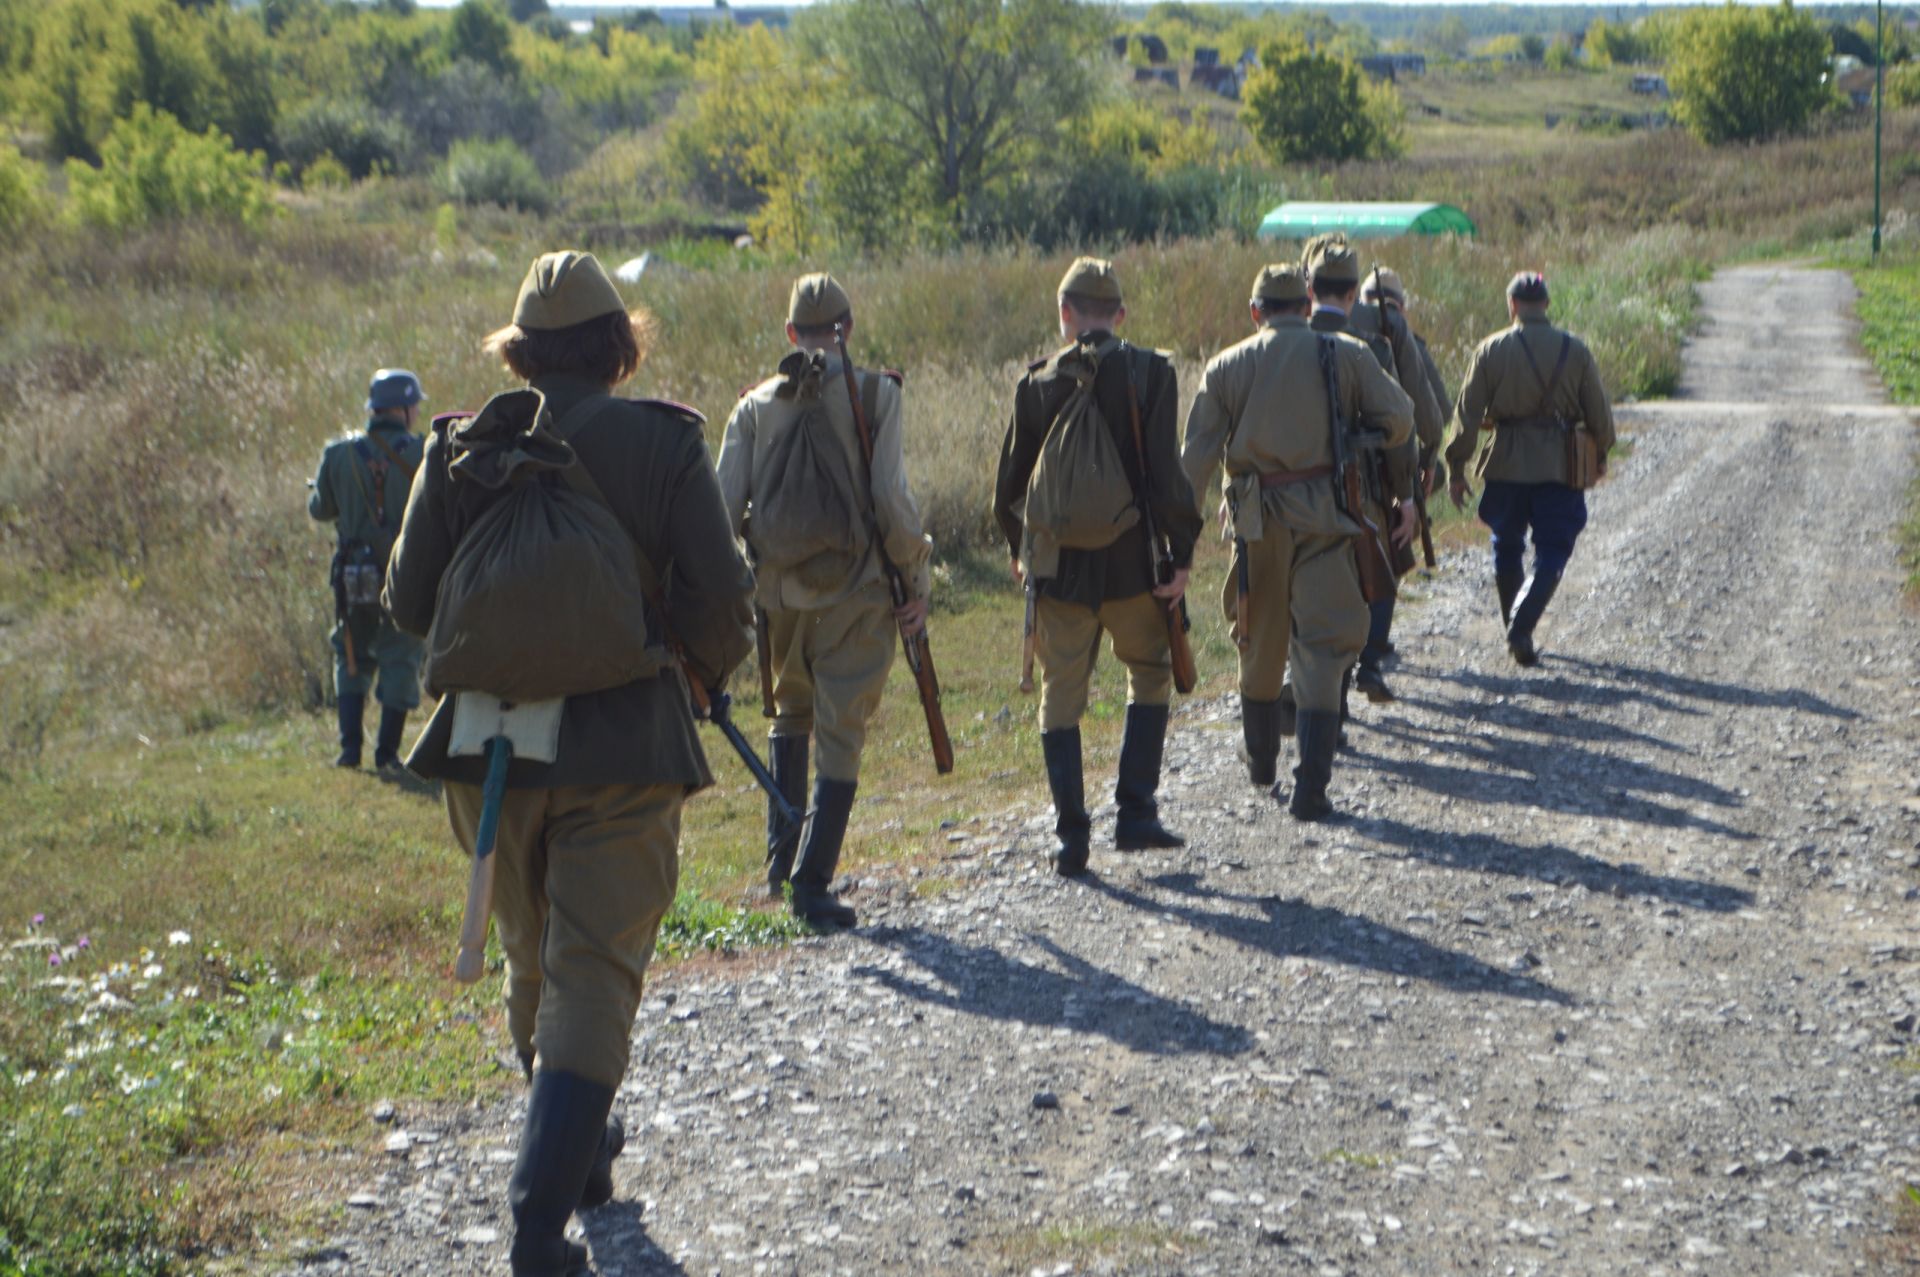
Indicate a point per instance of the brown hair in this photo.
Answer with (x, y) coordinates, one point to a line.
(819, 332)
(608, 349)
(1095, 308)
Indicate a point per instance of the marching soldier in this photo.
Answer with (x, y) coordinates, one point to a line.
(798, 493)
(1385, 290)
(587, 845)
(1263, 408)
(362, 490)
(1539, 388)
(1333, 273)
(1079, 592)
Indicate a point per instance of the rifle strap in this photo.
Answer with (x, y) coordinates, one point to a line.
(1133, 415)
(393, 456)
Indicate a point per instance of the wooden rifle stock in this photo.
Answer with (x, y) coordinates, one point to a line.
(1420, 508)
(1026, 645)
(1160, 567)
(919, 651)
(1243, 599)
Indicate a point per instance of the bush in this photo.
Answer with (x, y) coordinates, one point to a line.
(364, 139)
(1305, 105)
(496, 173)
(1740, 74)
(326, 174)
(1903, 85)
(23, 198)
(152, 169)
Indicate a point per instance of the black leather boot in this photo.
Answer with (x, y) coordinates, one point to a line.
(1137, 780)
(1317, 734)
(566, 1124)
(1508, 583)
(598, 1190)
(352, 710)
(1260, 730)
(813, 903)
(386, 746)
(1370, 681)
(1288, 708)
(1071, 824)
(789, 760)
(1346, 692)
(1526, 615)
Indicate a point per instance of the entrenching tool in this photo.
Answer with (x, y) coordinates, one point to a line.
(1026, 645)
(490, 727)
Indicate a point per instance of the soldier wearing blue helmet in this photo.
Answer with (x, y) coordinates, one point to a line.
(362, 490)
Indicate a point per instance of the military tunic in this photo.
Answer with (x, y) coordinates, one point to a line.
(1262, 409)
(830, 629)
(1526, 467)
(362, 491)
(588, 844)
(1107, 589)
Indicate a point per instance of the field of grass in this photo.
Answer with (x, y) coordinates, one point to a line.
(1890, 330)
(267, 941)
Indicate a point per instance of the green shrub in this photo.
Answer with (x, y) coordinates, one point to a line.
(23, 197)
(326, 174)
(496, 173)
(364, 139)
(1739, 73)
(152, 169)
(1903, 85)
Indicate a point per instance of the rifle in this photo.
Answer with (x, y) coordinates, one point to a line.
(712, 707)
(1026, 645)
(1160, 567)
(919, 651)
(1243, 602)
(763, 647)
(1426, 460)
(1349, 498)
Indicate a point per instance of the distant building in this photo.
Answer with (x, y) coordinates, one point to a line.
(1157, 75)
(757, 15)
(1155, 47)
(1226, 81)
(1651, 85)
(1206, 57)
(1392, 66)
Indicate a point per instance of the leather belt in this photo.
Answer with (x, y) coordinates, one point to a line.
(1287, 478)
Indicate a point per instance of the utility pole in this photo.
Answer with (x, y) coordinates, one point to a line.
(1879, 91)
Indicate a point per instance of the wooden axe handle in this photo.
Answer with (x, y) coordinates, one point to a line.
(472, 962)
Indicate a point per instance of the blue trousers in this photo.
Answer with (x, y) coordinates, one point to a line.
(1555, 513)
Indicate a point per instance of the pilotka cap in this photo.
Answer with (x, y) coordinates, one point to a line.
(1528, 286)
(564, 289)
(1385, 282)
(817, 301)
(1330, 258)
(1279, 284)
(1092, 278)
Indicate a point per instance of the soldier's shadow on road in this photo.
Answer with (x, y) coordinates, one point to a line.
(1560, 777)
(617, 1235)
(1615, 682)
(1546, 862)
(979, 980)
(1295, 929)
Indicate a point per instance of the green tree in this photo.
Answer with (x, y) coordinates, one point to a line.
(153, 169)
(971, 88)
(1303, 106)
(527, 10)
(480, 32)
(1615, 44)
(23, 197)
(1903, 85)
(1742, 73)
(1561, 55)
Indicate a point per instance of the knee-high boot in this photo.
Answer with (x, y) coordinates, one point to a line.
(566, 1124)
(1071, 824)
(789, 760)
(1260, 730)
(1526, 615)
(1137, 781)
(1318, 734)
(813, 901)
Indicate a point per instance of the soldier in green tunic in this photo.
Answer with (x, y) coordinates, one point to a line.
(1263, 409)
(1533, 384)
(362, 490)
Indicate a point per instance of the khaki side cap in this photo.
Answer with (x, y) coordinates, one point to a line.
(1093, 278)
(1279, 284)
(817, 300)
(563, 289)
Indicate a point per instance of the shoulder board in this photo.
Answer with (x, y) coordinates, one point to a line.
(691, 416)
(894, 375)
(1045, 360)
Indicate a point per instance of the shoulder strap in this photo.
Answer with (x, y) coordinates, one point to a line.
(399, 462)
(1547, 384)
(576, 477)
(870, 398)
(360, 473)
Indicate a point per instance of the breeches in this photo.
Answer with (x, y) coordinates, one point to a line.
(1305, 611)
(829, 669)
(1066, 641)
(397, 658)
(1555, 513)
(585, 876)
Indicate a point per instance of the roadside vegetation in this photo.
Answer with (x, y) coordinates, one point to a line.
(1890, 329)
(214, 223)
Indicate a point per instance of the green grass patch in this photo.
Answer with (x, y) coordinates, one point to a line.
(1889, 310)
(1347, 1157)
(1084, 1242)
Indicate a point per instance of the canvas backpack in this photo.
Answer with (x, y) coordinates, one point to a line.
(1079, 496)
(808, 518)
(545, 594)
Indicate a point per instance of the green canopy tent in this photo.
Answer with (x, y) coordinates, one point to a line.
(1301, 220)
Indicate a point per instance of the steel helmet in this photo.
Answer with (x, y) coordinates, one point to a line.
(393, 388)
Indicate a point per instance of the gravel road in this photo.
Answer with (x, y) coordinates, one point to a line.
(1610, 967)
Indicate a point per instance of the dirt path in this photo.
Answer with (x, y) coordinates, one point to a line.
(1610, 968)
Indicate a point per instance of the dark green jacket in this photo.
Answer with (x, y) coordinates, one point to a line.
(651, 462)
